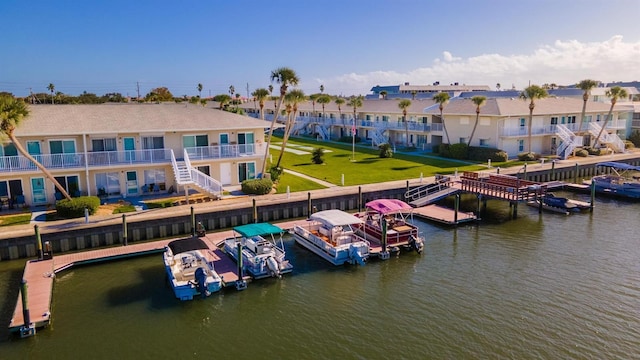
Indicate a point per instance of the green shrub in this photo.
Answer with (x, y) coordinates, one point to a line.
(530, 156)
(582, 153)
(349, 139)
(317, 156)
(257, 186)
(483, 154)
(159, 204)
(385, 151)
(75, 207)
(635, 138)
(594, 151)
(124, 209)
(435, 148)
(458, 151)
(275, 173)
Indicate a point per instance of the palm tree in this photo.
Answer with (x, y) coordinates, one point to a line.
(51, 87)
(498, 86)
(222, 99)
(293, 98)
(586, 86)
(199, 90)
(478, 101)
(313, 98)
(323, 99)
(339, 102)
(322, 89)
(442, 99)
(404, 105)
(261, 95)
(285, 77)
(532, 93)
(413, 94)
(355, 102)
(614, 93)
(12, 112)
(384, 94)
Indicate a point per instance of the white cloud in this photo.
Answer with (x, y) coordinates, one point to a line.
(563, 63)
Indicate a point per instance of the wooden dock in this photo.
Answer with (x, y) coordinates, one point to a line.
(442, 214)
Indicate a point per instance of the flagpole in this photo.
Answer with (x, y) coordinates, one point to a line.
(353, 141)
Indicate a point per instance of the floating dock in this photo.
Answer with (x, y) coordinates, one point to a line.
(443, 215)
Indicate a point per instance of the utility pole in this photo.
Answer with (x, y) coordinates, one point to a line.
(138, 87)
(247, 91)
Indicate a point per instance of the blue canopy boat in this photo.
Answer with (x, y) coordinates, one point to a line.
(623, 180)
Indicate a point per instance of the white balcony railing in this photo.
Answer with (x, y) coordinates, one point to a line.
(220, 151)
(552, 129)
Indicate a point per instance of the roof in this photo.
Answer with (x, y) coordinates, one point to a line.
(388, 206)
(335, 217)
(188, 244)
(519, 107)
(117, 118)
(250, 230)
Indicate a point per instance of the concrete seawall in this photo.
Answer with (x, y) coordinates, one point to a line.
(74, 235)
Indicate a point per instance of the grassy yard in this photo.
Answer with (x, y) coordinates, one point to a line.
(15, 219)
(296, 184)
(368, 168)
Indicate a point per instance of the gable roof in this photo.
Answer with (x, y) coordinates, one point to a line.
(518, 107)
(113, 118)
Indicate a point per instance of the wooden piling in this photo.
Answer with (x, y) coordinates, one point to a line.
(124, 230)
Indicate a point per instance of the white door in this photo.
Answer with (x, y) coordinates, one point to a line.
(225, 173)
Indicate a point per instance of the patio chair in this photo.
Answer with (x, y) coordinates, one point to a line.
(20, 200)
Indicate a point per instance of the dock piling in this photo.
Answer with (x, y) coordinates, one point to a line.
(38, 241)
(456, 206)
(308, 204)
(575, 175)
(28, 329)
(359, 199)
(241, 284)
(255, 212)
(593, 196)
(125, 241)
(384, 254)
(193, 222)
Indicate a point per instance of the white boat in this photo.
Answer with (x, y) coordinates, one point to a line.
(330, 234)
(262, 254)
(623, 181)
(190, 268)
(389, 223)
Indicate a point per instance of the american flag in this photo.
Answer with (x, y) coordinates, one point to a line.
(353, 128)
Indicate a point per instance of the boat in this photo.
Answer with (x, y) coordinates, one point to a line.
(622, 181)
(262, 254)
(330, 234)
(559, 204)
(394, 216)
(190, 268)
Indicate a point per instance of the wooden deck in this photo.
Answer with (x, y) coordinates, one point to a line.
(442, 214)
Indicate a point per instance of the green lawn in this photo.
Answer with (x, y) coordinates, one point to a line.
(15, 220)
(296, 184)
(368, 168)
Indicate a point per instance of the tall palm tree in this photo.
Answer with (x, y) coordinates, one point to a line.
(222, 99)
(323, 99)
(261, 95)
(355, 102)
(12, 112)
(199, 90)
(321, 89)
(339, 102)
(293, 98)
(478, 101)
(532, 93)
(586, 86)
(313, 98)
(285, 77)
(442, 98)
(404, 105)
(384, 94)
(614, 93)
(51, 88)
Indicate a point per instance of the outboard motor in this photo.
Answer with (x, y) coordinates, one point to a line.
(273, 266)
(417, 244)
(356, 255)
(201, 282)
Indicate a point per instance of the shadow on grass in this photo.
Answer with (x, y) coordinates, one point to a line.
(403, 168)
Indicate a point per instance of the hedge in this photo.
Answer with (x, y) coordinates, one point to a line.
(74, 208)
(257, 186)
(483, 154)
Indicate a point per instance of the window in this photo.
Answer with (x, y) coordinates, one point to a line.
(9, 150)
(245, 142)
(104, 144)
(70, 183)
(463, 140)
(484, 142)
(62, 146)
(554, 120)
(520, 145)
(33, 147)
(195, 140)
(108, 183)
(523, 122)
(587, 118)
(246, 171)
(571, 119)
(204, 169)
(152, 142)
(598, 118)
(154, 176)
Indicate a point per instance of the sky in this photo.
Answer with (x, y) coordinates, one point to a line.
(348, 46)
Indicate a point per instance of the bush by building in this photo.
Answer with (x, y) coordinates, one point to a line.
(74, 208)
(257, 186)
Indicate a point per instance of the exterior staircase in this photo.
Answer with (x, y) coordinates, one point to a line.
(430, 193)
(323, 131)
(570, 141)
(190, 177)
(612, 140)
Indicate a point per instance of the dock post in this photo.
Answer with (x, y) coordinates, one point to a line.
(38, 241)
(255, 212)
(407, 185)
(359, 198)
(240, 284)
(498, 170)
(308, 204)
(524, 173)
(342, 180)
(593, 196)
(478, 210)
(553, 171)
(515, 209)
(539, 195)
(86, 215)
(28, 329)
(456, 206)
(575, 175)
(384, 254)
(193, 223)
(124, 230)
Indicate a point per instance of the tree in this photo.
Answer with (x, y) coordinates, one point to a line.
(586, 86)
(51, 87)
(321, 89)
(293, 98)
(478, 101)
(12, 112)
(261, 95)
(159, 94)
(222, 99)
(614, 93)
(314, 98)
(498, 86)
(317, 156)
(404, 105)
(323, 99)
(339, 102)
(285, 77)
(532, 93)
(442, 99)
(199, 90)
(413, 94)
(355, 102)
(232, 90)
(384, 94)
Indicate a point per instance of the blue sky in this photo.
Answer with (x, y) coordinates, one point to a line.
(346, 45)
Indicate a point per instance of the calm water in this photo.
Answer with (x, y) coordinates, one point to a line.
(549, 287)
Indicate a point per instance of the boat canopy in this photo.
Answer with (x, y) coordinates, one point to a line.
(388, 206)
(335, 217)
(250, 230)
(619, 165)
(188, 244)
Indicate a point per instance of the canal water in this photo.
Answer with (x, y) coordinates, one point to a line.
(544, 286)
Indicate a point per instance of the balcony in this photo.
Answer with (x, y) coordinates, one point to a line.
(222, 151)
(520, 131)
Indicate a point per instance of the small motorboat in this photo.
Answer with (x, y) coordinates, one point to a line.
(622, 181)
(190, 268)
